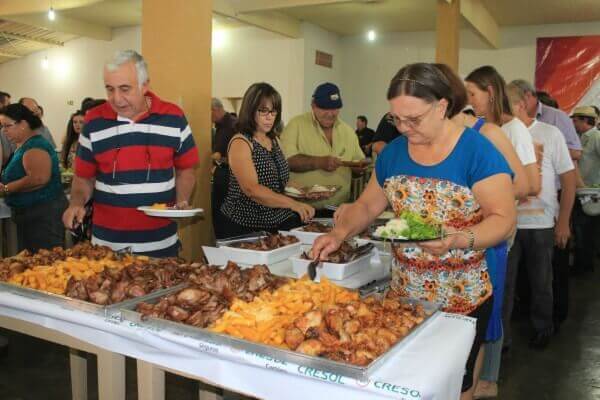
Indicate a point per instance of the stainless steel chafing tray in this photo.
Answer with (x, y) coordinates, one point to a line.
(80, 305)
(207, 341)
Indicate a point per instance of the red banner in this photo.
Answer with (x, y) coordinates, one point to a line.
(568, 68)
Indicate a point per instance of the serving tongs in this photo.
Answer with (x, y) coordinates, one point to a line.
(247, 237)
(357, 252)
(124, 252)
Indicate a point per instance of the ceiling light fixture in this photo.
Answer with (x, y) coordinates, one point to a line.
(371, 35)
(51, 14)
(45, 63)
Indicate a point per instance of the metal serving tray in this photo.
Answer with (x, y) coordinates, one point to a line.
(86, 306)
(209, 339)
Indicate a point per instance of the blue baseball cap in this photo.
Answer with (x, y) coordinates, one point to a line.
(327, 96)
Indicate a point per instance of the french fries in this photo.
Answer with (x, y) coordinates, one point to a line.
(267, 317)
(53, 278)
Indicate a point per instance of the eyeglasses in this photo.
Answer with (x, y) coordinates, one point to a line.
(6, 126)
(115, 163)
(411, 122)
(263, 112)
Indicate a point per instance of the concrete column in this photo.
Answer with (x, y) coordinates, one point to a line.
(447, 32)
(176, 42)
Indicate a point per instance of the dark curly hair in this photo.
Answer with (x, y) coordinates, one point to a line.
(18, 112)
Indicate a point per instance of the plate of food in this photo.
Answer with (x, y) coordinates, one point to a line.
(342, 263)
(167, 211)
(357, 163)
(314, 192)
(409, 228)
(263, 249)
(308, 233)
(386, 215)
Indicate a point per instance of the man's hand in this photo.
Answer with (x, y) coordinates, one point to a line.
(73, 216)
(329, 163)
(183, 205)
(562, 233)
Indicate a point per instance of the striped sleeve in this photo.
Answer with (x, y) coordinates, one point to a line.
(187, 154)
(85, 163)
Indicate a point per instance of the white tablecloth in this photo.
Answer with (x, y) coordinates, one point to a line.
(430, 366)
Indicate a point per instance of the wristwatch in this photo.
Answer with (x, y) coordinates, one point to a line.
(5, 189)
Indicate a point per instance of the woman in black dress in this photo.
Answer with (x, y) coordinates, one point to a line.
(259, 171)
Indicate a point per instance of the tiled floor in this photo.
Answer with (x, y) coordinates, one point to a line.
(568, 369)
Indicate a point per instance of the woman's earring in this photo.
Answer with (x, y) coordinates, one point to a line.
(491, 99)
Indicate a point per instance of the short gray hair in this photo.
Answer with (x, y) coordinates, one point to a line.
(216, 103)
(515, 92)
(123, 57)
(525, 86)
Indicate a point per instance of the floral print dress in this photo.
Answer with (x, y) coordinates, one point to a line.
(459, 281)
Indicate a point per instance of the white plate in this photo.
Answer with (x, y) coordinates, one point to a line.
(170, 213)
(588, 191)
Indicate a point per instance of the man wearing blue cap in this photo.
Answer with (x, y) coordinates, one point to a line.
(317, 143)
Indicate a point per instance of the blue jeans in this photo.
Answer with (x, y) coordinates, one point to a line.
(491, 360)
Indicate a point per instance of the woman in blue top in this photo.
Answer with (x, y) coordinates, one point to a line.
(31, 182)
(449, 175)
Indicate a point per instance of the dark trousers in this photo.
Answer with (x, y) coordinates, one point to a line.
(40, 226)
(560, 284)
(536, 246)
(587, 239)
(220, 186)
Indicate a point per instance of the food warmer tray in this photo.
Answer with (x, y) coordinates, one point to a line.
(81, 305)
(208, 339)
(308, 237)
(253, 257)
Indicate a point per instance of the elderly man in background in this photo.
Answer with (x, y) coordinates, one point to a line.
(224, 130)
(553, 116)
(317, 143)
(587, 226)
(135, 150)
(35, 108)
(550, 115)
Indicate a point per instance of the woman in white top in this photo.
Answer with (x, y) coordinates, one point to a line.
(486, 91)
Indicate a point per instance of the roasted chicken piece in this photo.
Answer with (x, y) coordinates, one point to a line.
(311, 319)
(317, 227)
(311, 347)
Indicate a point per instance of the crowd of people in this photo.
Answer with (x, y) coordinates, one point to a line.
(491, 160)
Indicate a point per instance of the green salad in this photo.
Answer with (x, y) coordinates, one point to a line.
(410, 226)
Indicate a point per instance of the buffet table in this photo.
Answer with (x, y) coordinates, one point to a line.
(430, 366)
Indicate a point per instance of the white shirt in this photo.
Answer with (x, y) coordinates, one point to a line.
(521, 140)
(540, 212)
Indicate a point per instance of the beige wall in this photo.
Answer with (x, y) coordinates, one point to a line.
(368, 67)
(75, 72)
(361, 69)
(248, 55)
(316, 38)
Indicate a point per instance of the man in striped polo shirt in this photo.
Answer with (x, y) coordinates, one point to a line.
(135, 150)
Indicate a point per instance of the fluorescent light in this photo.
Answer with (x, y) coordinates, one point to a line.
(45, 63)
(218, 38)
(371, 35)
(51, 14)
